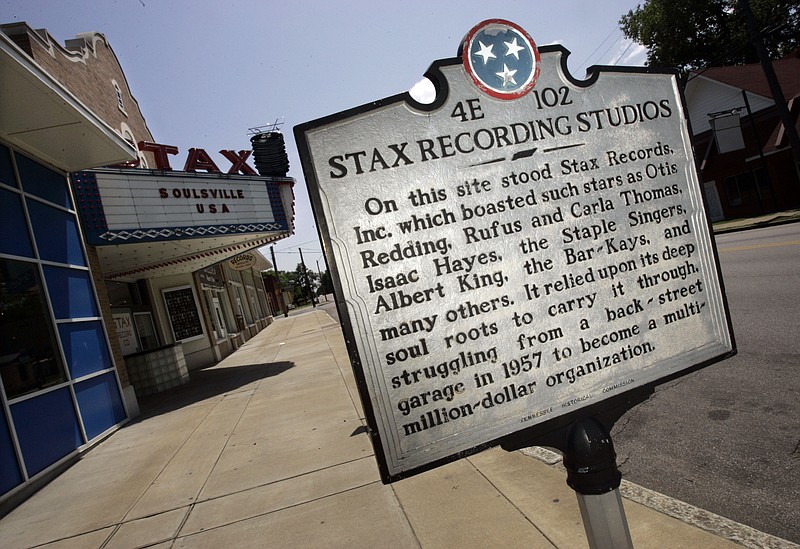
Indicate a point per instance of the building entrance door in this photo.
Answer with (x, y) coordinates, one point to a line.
(219, 318)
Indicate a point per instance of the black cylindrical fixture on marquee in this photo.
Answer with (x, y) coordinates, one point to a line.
(269, 154)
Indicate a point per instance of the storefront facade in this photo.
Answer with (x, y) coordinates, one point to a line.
(60, 390)
(178, 252)
(96, 310)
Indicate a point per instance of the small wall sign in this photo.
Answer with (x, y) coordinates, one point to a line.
(242, 262)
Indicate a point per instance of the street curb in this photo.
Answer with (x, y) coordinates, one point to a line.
(747, 225)
(705, 520)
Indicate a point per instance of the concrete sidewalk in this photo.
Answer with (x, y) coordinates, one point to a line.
(766, 220)
(267, 449)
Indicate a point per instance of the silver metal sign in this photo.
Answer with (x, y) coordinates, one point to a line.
(518, 250)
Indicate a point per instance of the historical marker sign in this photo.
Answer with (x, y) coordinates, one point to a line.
(524, 247)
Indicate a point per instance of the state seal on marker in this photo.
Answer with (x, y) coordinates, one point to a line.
(501, 58)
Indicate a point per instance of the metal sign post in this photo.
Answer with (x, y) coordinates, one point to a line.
(590, 461)
(516, 255)
(592, 472)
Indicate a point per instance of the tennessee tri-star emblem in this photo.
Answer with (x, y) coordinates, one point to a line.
(501, 59)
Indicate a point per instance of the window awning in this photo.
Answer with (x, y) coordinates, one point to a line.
(42, 118)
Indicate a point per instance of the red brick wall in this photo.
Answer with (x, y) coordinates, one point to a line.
(86, 66)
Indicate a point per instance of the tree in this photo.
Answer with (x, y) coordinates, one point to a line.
(692, 34)
(286, 280)
(305, 281)
(297, 282)
(325, 284)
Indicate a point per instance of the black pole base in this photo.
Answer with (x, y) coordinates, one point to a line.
(589, 458)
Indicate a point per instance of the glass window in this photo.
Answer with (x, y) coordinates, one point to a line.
(254, 303)
(732, 189)
(71, 293)
(47, 428)
(85, 348)
(240, 326)
(10, 475)
(6, 170)
(29, 357)
(244, 310)
(148, 339)
(265, 304)
(126, 333)
(747, 188)
(100, 404)
(15, 239)
(43, 182)
(227, 312)
(219, 321)
(762, 180)
(123, 294)
(56, 232)
(214, 308)
(118, 94)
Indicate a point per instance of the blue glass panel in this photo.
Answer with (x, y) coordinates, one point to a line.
(9, 468)
(70, 292)
(43, 182)
(85, 348)
(56, 233)
(6, 170)
(15, 239)
(28, 344)
(100, 404)
(47, 429)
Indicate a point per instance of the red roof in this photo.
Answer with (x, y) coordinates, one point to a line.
(751, 77)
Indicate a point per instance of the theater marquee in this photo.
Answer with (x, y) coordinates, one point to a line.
(135, 216)
(119, 205)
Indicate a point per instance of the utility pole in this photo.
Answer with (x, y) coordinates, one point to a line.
(278, 279)
(774, 85)
(319, 273)
(308, 280)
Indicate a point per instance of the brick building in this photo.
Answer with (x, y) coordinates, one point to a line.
(751, 171)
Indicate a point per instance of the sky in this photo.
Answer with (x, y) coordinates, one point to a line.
(205, 71)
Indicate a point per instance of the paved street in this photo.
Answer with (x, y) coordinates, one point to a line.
(727, 438)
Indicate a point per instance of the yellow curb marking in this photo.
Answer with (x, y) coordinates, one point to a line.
(758, 246)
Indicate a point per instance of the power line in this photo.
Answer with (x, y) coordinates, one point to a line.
(614, 43)
(297, 245)
(297, 252)
(624, 52)
(598, 47)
